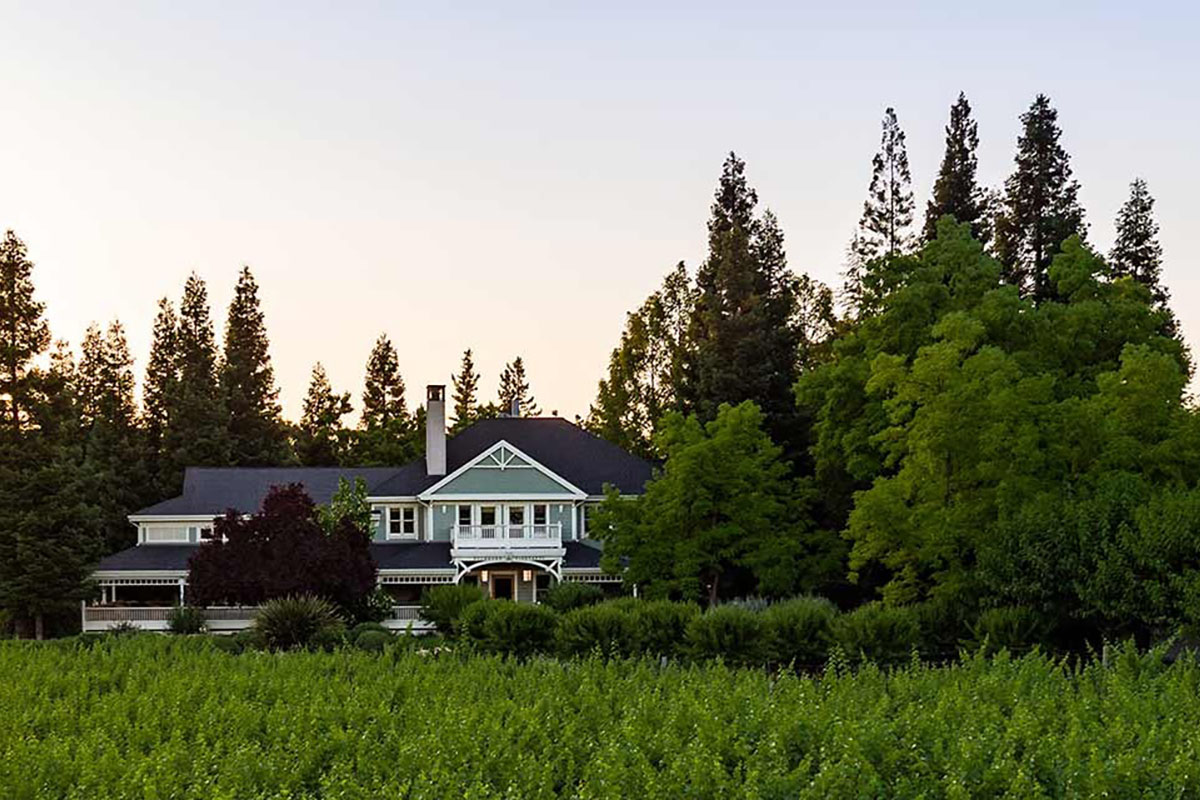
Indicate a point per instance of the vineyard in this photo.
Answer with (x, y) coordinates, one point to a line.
(155, 717)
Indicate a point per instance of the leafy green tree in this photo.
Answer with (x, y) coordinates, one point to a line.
(1137, 253)
(1041, 203)
(321, 439)
(514, 386)
(466, 393)
(24, 333)
(724, 503)
(196, 433)
(956, 191)
(257, 436)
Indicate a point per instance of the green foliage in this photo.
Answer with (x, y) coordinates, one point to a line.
(878, 633)
(288, 623)
(226, 644)
(186, 620)
(363, 627)
(349, 503)
(564, 597)
(443, 605)
(321, 439)
(660, 626)
(1012, 628)
(472, 618)
(732, 633)
(514, 387)
(606, 629)
(800, 630)
(516, 629)
(373, 641)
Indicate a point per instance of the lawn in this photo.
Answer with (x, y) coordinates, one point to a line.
(153, 717)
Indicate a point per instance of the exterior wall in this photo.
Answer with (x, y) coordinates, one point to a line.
(379, 534)
(445, 515)
(490, 480)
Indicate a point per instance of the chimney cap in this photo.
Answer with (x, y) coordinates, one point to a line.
(435, 391)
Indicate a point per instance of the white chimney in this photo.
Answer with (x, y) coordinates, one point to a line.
(515, 409)
(435, 430)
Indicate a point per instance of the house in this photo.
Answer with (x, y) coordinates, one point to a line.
(504, 504)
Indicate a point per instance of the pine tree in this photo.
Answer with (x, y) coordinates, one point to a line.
(1041, 203)
(247, 382)
(1137, 253)
(321, 440)
(515, 386)
(888, 211)
(159, 387)
(383, 395)
(24, 333)
(197, 433)
(956, 192)
(465, 395)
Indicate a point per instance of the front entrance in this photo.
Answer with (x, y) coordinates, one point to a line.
(504, 585)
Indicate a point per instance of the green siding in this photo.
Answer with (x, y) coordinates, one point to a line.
(483, 480)
(379, 534)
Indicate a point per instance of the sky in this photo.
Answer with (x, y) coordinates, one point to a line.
(514, 178)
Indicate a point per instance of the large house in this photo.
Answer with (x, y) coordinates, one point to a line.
(504, 504)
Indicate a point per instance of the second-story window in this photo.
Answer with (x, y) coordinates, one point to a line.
(206, 533)
(541, 513)
(402, 522)
(464, 515)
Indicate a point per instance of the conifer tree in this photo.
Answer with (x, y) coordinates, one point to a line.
(197, 432)
(383, 394)
(466, 393)
(247, 381)
(1041, 203)
(159, 387)
(956, 192)
(1137, 253)
(321, 440)
(515, 386)
(888, 211)
(24, 333)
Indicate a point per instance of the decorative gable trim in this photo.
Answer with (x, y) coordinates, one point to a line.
(503, 455)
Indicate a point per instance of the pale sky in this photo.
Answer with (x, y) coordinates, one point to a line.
(516, 179)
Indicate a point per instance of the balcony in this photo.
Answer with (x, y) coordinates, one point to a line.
(497, 541)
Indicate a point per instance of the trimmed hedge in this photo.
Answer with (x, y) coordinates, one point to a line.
(733, 633)
(443, 605)
(801, 630)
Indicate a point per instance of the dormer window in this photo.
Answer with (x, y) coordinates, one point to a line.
(206, 533)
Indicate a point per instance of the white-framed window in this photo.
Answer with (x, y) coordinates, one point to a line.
(588, 515)
(464, 514)
(167, 533)
(541, 514)
(516, 515)
(205, 533)
(402, 522)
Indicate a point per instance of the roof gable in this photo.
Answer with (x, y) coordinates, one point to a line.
(503, 469)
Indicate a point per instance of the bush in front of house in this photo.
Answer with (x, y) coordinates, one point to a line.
(186, 620)
(879, 633)
(293, 622)
(800, 630)
(226, 644)
(1012, 628)
(660, 626)
(373, 641)
(443, 605)
(564, 597)
(733, 633)
(515, 629)
(605, 628)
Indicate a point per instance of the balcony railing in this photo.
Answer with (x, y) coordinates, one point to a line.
(507, 537)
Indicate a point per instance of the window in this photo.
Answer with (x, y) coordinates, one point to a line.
(487, 515)
(464, 515)
(516, 515)
(402, 523)
(541, 513)
(588, 516)
(166, 533)
(206, 533)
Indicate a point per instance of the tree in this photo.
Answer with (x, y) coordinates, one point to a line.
(1041, 203)
(514, 386)
(466, 393)
(383, 395)
(646, 370)
(159, 388)
(723, 504)
(888, 210)
(321, 441)
(1136, 253)
(196, 433)
(283, 550)
(247, 383)
(25, 334)
(956, 192)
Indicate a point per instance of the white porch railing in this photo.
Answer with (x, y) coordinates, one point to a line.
(507, 537)
(217, 618)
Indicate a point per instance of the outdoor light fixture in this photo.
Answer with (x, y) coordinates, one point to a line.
(527, 575)
(483, 576)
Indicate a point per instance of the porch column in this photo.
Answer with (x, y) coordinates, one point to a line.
(181, 591)
(112, 594)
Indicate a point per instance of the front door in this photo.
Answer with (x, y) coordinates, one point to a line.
(504, 586)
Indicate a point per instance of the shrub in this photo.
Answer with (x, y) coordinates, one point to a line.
(604, 628)
(877, 632)
(564, 597)
(363, 627)
(471, 621)
(800, 630)
(660, 626)
(186, 620)
(373, 641)
(286, 623)
(227, 644)
(248, 639)
(124, 629)
(942, 628)
(732, 633)
(1012, 628)
(518, 629)
(442, 605)
(375, 607)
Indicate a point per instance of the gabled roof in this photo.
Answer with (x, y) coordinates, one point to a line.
(584, 460)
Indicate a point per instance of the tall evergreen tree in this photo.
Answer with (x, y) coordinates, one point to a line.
(888, 211)
(1041, 203)
(159, 387)
(466, 393)
(515, 386)
(743, 333)
(24, 333)
(383, 394)
(1137, 253)
(197, 431)
(247, 382)
(321, 440)
(956, 192)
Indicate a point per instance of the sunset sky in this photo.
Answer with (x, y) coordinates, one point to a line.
(515, 178)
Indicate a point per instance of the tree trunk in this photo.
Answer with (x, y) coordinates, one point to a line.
(712, 589)
(39, 626)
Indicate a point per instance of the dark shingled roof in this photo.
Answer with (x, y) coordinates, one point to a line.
(587, 461)
(149, 557)
(581, 555)
(412, 555)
